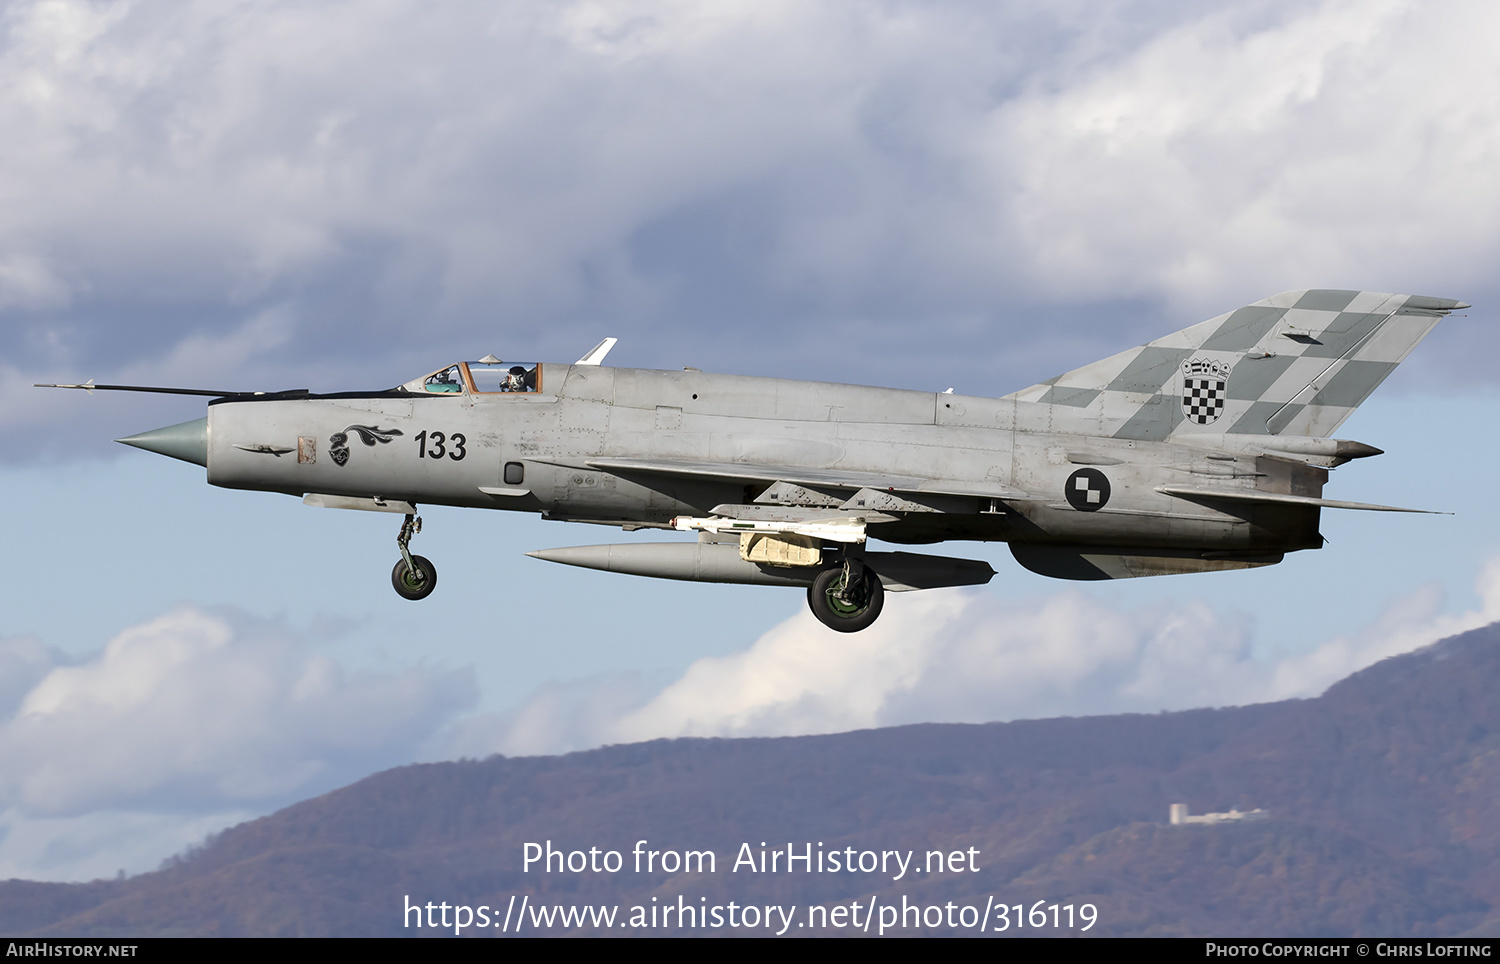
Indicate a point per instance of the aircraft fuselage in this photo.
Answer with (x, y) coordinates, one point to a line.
(1206, 449)
(454, 449)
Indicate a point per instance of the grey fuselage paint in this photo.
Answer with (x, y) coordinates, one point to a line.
(447, 448)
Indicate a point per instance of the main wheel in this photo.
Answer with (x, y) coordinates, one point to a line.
(417, 584)
(846, 615)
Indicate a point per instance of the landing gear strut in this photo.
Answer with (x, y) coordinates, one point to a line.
(414, 576)
(846, 598)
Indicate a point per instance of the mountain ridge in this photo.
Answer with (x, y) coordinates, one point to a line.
(1382, 796)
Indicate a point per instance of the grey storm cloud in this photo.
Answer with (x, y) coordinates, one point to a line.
(343, 195)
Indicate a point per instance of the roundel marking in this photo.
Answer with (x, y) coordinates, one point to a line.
(1087, 490)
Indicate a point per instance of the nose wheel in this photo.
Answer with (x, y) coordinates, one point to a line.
(414, 580)
(415, 577)
(846, 598)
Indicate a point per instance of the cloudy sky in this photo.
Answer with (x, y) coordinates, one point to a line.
(978, 195)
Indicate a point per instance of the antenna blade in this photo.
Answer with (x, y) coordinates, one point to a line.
(596, 354)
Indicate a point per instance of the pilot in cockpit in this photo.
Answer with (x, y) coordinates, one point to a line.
(487, 376)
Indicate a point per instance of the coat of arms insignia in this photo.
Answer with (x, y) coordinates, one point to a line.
(1203, 384)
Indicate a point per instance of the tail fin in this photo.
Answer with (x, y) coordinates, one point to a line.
(1296, 364)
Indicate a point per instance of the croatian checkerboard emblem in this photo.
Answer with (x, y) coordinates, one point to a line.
(1203, 382)
(1087, 490)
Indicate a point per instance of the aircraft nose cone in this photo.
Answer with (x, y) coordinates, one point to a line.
(187, 441)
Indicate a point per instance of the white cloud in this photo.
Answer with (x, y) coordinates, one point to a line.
(1347, 142)
(24, 661)
(961, 656)
(1407, 623)
(564, 716)
(191, 719)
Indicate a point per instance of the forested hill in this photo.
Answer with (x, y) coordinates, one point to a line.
(1383, 798)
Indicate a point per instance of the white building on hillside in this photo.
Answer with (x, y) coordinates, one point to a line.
(1180, 815)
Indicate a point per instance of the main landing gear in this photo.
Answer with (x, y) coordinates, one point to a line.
(846, 598)
(414, 577)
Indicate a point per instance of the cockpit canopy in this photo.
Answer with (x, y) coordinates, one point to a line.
(488, 377)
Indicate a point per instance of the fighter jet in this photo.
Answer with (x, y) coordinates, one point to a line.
(1204, 450)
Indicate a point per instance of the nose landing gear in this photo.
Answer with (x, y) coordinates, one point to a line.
(415, 577)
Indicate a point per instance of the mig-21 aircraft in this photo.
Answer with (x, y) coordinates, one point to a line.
(1204, 450)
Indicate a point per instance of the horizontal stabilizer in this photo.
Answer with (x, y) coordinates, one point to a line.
(1253, 495)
